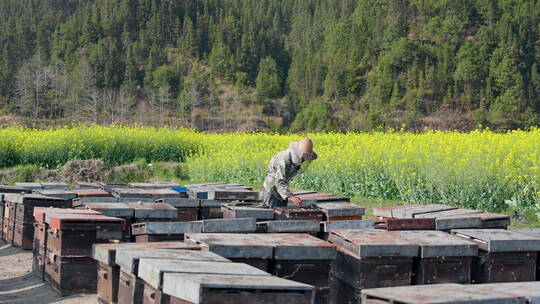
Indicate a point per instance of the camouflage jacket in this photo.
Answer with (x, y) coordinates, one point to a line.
(282, 168)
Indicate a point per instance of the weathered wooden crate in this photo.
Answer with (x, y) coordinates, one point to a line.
(188, 208)
(393, 224)
(534, 232)
(210, 209)
(340, 211)
(110, 186)
(80, 202)
(467, 218)
(74, 234)
(29, 186)
(145, 193)
(87, 185)
(409, 211)
(290, 226)
(153, 270)
(238, 289)
(156, 185)
(112, 209)
(230, 225)
(54, 185)
(8, 229)
(289, 213)
(302, 258)
(91, 192)
(243, 248)
(39, 258)
(243, 211)
(41, 227)
(163, 231)
(70, 275)
(153, 211)
(26, 203)
(13, 189)
(369, 258)
(529, 292)
(65, 194)
(438, 293)
(23, 235)
(504, 255)
(130, 287)
(442, 258)
(327, 227)
(109, 273)
(320, 197)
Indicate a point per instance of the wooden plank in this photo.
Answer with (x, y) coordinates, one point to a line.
(414, 211)
(528, 290)
(441, 294)
(440, 244)
(500, 240)
(351, 224)
(298, 246)
(106, 253)
(189, 287)
(373, 243)
(341, 209)
(112, 209)
(535, 232)
(152, 270)
(166, 227)
(291, 226)
(128, 259)
(229, 225)
(231, 245)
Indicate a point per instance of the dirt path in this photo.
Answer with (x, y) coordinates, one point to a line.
(19, 285)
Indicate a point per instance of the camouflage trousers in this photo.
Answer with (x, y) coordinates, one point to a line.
(272, 199)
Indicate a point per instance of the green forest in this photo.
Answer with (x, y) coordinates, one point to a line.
(277, 65)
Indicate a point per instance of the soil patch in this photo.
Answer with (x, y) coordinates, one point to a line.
(85, 170)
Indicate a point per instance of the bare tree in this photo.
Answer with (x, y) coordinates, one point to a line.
(163, 102)
(125, 101)
(110, 100)
(85, 95)
(60, 86)
(32, 84)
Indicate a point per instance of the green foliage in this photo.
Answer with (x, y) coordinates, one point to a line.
(367, 57)
(268, 83)
(314, 117)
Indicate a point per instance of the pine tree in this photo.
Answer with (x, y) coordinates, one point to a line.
(268, 84)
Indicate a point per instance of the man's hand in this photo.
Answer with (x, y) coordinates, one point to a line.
(296, 200)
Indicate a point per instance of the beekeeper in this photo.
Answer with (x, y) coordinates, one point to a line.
(282, 168)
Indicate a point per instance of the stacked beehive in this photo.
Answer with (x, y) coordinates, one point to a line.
(407, 250)
(41, 230)
(299, 257)
(69, 266)
(18, 224)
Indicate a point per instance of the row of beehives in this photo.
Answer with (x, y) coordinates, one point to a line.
(17, 203)
(291, 225)
(117, 199)
(352, 260)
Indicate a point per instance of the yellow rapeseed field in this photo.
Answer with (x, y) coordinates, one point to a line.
(480, 169)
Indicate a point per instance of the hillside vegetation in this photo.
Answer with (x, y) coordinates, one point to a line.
(273, 64)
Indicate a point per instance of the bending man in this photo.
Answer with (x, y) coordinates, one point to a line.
(282, 168)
